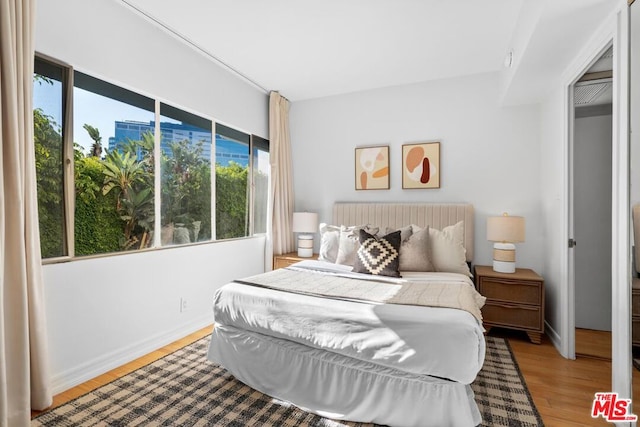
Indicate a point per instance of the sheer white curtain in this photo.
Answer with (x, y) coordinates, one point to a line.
(24, 369)
(280, 238)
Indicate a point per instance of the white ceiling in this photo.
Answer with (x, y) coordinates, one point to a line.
(309, 49)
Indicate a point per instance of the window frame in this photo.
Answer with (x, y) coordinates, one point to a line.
(252, 183)
(66, 157)
(68, 184)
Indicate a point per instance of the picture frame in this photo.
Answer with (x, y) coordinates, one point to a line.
(421, 165)
(372, 168)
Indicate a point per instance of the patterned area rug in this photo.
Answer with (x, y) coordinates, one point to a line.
(177, 391)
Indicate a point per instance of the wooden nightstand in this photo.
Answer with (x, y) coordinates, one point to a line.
(285, 260)
(635, 311)
(514, 300)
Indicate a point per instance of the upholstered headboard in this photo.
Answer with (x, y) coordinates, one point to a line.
(396, 215)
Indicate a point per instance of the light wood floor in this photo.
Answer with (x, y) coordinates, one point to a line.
(593, 343)
(116, 373)
(562, 389)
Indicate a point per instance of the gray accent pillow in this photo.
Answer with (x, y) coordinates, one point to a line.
(379, 256)
(414, 252)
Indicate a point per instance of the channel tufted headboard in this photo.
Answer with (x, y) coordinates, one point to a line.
(396, 215)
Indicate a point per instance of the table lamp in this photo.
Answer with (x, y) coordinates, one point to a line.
(305, 223)
(504, 231)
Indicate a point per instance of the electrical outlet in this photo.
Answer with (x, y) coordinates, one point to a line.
(183, 305)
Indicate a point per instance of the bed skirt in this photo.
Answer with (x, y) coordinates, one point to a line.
(339, 387)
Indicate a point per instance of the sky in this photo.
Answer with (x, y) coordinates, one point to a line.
(96, 110)
(102, 112)
(48, 98)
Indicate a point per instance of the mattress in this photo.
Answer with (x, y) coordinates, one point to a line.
(440, 342)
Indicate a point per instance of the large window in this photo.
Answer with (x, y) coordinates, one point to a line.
(138, 166)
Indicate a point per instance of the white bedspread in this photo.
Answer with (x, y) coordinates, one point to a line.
(442, 342)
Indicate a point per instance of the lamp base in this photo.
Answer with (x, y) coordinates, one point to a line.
(504, 257)
(305, 245)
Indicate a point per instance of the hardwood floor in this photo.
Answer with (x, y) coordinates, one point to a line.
(116, 373)
(592, 343)
(562, 389)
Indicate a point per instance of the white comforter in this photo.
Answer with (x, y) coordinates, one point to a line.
(442, 342)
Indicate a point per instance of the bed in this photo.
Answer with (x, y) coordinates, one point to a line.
(392, 354)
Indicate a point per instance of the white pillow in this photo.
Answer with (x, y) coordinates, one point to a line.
(447, 250)
(329, 242)
(349, 242)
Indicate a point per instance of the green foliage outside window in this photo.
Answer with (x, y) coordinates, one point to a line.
(231, 201)
(48, 153)
(186, 191)
(131, 181)
(98, 227)
(114, 195)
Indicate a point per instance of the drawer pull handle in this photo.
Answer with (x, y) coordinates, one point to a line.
(508, 283)
(522, 307)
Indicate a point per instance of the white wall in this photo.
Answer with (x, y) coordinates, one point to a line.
(106, 311)
(592, 201)
(106, 39)
(490, 156)
(552, 161)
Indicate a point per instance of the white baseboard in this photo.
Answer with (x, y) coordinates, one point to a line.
(554, 337)
(65, 380)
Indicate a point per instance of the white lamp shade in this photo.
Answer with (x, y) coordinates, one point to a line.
(305, 222)
(505, 229)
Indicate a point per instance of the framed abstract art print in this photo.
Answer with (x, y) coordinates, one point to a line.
(421, 165)
(372, 168)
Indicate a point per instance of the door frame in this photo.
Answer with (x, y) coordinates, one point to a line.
(615, 30)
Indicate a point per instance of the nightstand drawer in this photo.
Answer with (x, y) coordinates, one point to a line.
(635, 299)
(514, 300)
(635, 304)
(518, 316)
(635, 330)
(521, 292)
